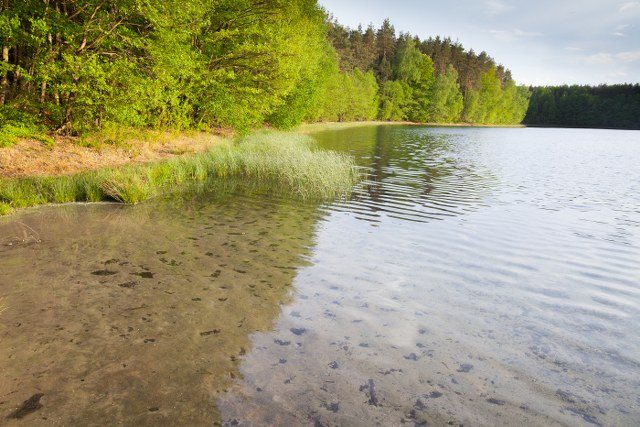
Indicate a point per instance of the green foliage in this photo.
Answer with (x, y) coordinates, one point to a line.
(446, 99)
(10, 133)
(484, 102)
(351, 97)
(5, 208)
(128, 186)
(306, 98)
(284, 161)
(415, 69)
(326, 80)
(431, 80)
(515, 102)
(394, 98)
(613, 106)
(172, 64)
(78, 67)
(16, 124)
(410, 63)
(493, 104)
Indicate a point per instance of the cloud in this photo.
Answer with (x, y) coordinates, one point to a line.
(629, 56)
(511, 35)
(599, 58)
(604, 58)
(521, 33)
(629, 5)
(618, 34)
(496, 7)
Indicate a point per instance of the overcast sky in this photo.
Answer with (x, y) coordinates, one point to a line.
(543, 42)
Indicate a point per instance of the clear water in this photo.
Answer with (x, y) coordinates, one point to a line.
(479, 277)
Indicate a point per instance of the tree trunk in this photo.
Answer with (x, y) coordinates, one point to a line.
(4, 85)
(15, 81)
(43, 91)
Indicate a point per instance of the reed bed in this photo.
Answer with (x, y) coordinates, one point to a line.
(283, 160)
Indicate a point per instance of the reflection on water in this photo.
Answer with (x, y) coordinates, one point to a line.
(417, 176)
(139, 315)
(520, 307)
(480, 277)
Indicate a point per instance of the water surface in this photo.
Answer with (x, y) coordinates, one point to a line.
(478, 277)
(139, 315)
(481, 277)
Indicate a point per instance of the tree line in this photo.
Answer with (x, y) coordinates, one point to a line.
(433, 80)
(604, 106)
(78, 65)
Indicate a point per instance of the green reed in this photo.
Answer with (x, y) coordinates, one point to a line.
(286, 161)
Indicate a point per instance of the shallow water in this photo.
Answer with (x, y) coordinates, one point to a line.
(140, 315)
(479, 277)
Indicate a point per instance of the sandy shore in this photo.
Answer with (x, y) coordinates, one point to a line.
(32, 158)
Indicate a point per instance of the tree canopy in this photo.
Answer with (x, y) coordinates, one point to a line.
(184, 63)
(433, 80)
(614, 106)
(77, 65)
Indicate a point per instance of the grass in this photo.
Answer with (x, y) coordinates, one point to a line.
(5, 208)
(285, 161)
(10, 133)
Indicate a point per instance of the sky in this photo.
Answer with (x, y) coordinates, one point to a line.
(542, 42)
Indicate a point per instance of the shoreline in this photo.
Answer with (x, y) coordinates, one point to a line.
(130, 165)
(284, 161)
(31, 158)
(314, 127)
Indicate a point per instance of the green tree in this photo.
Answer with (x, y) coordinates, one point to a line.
(394, 98)
(386, 41)
(416, 70)
(446, 99)
(351, 97)
(609, 106)
(483, 105)
(514, 103)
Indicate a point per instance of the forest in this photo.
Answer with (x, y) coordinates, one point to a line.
(73, 66)
(434, 80)
(605, 106)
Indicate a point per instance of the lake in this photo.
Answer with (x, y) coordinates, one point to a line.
(477, 277)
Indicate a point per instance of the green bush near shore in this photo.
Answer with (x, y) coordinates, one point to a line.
(16, 124)
(285, 160)
(5, 208)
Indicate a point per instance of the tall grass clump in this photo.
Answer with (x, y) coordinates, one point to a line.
(283, 161)
(21, 193)
(290, 161)
(130, 185)
(5, 208)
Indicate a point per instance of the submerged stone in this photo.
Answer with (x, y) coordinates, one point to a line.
(30, 405)
(144, 274)
(104, 272)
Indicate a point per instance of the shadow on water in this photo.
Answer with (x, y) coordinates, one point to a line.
(120, 315)
(413, 173)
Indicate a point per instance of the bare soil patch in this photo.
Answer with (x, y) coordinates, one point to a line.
(33, 158)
